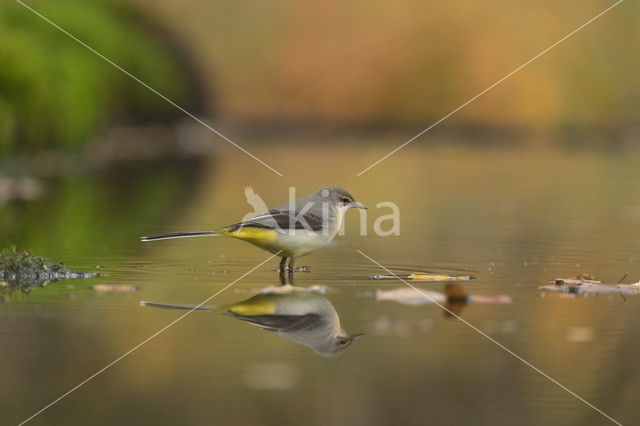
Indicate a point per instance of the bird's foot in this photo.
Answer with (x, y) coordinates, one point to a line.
(292, 270)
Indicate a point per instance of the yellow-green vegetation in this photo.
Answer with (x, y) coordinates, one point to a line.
(56, 93)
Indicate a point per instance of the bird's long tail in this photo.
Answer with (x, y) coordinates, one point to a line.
(172, 235)
(172, 306)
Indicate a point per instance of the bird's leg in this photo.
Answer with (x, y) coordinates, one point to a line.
(291, 267)
(283, 277)
(283, 263)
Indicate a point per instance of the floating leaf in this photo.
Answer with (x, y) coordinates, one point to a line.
(107, 288)
(587, 284)
(453, 297)
(424, 276)
(409, 296)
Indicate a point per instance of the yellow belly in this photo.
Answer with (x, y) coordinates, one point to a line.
(263, 238)
(257, 305)
(302, 242)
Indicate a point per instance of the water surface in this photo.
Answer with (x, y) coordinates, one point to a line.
(512, 217)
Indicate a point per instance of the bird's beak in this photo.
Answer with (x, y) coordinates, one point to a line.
(359, 206)
(356, 336)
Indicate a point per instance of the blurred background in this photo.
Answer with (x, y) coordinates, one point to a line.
(538, 178)
(325, 66)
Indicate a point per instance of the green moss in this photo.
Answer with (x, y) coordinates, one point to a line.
(21, 270)
(56, 93)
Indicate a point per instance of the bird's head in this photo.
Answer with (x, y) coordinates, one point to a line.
(338, 344)
(339, 197)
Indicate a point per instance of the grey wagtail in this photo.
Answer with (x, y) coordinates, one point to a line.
(294, 313)
(303, 317)
(292, 230)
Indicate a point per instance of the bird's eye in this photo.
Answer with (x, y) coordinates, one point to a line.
(343, 342)
(346, 200)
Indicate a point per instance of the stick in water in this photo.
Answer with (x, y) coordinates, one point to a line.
(172, 306)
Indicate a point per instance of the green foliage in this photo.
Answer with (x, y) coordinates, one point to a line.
(56, 93)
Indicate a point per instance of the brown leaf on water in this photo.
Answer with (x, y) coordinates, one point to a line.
(453, 309)
(455, 293)
(453, 297)
(409, 296)
(108, 288)
(584, 276)
(578, 280)
(587, 284)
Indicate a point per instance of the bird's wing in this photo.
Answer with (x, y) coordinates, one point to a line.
(281, 219)
(280, 323)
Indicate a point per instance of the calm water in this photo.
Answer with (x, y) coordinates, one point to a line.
(513, 217)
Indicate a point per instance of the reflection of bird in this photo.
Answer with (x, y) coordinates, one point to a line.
(304, 317)
(291, 230)
(256, 203)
